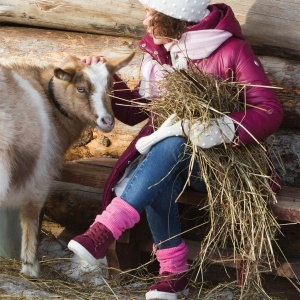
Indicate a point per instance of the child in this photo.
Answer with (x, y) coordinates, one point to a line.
(210, 36)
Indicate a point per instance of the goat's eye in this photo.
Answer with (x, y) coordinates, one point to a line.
(81, 90)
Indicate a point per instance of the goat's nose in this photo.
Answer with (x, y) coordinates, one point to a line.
(108, 121)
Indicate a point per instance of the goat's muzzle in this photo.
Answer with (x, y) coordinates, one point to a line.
(107, 123)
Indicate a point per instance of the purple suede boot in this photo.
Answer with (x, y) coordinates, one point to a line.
(93, 244)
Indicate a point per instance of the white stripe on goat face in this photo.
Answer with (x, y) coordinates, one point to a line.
(99, 77)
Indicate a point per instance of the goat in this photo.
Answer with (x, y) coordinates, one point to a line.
(43, 110)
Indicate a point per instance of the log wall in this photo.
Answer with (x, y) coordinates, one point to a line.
(265, 23)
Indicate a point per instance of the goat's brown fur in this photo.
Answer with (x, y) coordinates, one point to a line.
(34, 133)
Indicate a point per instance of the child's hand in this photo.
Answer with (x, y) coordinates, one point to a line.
(93, 59)
(219, 131)
(167, 129)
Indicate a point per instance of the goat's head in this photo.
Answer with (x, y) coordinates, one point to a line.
(84, 90)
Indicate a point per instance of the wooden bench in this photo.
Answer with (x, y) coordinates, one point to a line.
(75, 199)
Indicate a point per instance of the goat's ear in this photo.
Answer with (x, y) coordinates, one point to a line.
(115, 65)
(63, 74)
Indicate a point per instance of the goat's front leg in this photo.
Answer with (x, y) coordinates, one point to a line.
(29, 217)
(5, 171)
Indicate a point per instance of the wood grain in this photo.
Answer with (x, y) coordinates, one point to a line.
(270, 26)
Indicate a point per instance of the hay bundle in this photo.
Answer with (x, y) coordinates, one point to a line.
(236, 178)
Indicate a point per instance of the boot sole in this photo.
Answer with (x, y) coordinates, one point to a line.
(82, 252)
(151, 295)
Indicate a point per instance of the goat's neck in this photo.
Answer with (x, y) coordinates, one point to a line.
(69, 127)
(54, 101)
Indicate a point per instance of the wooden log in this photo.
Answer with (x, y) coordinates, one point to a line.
(88, 172)
(288, 241)
(118, 18)
(285, 75)
(73, 205)
(288, 269)
(43, 46)
(267, 25)
(286, 146)
(288, 206)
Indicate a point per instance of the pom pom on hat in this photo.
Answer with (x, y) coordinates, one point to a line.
(187, 10)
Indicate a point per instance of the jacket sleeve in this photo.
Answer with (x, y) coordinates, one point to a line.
(125, 103)
(263, 112)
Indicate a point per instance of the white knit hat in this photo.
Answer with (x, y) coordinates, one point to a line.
(187, 10)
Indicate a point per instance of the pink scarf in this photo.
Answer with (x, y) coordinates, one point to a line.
(192, 45)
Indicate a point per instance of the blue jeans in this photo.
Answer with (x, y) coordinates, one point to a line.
(155, 185)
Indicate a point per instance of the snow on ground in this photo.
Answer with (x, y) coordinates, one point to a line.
(18, 287)
(55, 254)
(72, 265)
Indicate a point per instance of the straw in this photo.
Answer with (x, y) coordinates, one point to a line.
(236, 176)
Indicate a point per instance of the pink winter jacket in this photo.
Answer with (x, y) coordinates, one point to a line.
(234, 57)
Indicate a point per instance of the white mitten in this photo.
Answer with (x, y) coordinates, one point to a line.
(167, 129)
(217, 132)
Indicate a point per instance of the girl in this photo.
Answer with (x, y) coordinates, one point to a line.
(210, 36)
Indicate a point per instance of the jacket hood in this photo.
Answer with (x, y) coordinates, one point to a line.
(221, 17)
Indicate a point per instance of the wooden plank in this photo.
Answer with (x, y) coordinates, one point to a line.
(88, 172)
(288, 269)
(288, 204)
(113, 262)
(287, 214)
(225, 257)
(291, 192)
(108, 162)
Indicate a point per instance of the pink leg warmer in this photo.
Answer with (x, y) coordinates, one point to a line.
(173, 260)
(118, 216)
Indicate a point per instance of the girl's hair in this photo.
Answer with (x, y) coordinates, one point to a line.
(166, 26)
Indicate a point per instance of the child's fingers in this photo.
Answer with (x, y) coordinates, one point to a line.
(93, 59)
